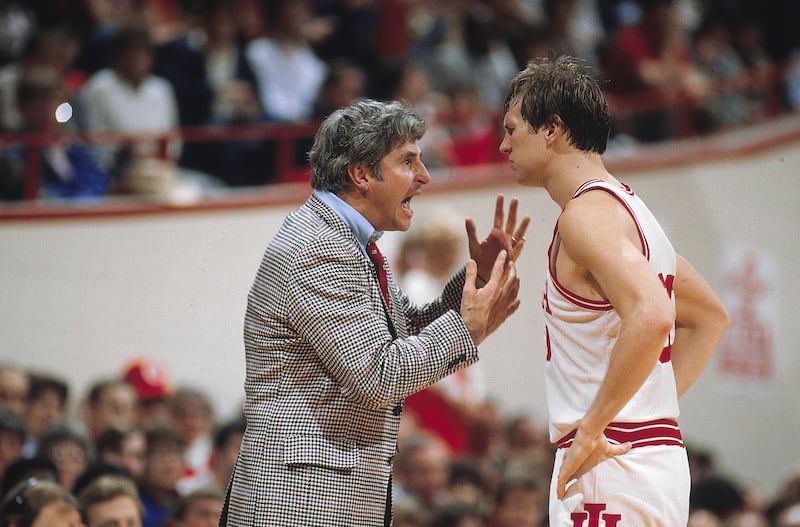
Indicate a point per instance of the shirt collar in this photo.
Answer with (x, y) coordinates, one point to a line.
(361, 227)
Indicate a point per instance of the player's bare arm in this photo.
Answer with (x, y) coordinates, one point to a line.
(700, 322)
(600, 252)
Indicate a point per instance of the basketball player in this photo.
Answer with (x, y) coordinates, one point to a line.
(630, 325)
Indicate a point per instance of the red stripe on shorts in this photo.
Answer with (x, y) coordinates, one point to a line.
(649, 433)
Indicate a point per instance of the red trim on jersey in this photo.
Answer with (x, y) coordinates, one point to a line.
(580, 301)
(649, 433)
(591, 185)
(585, 303)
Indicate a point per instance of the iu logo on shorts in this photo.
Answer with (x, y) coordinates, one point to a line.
(593, 516)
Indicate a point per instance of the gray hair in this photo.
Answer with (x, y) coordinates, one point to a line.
(364, 132)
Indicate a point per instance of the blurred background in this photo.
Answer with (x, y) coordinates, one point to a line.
(151, 148)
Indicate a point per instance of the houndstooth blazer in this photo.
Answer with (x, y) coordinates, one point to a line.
(326, 376)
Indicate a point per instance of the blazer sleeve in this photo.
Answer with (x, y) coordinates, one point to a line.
(336, 309)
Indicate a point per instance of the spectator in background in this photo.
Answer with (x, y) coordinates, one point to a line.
(111, 501)
(193, 417)
(130, 100)
(39, 503)
(47, 402)
(51, 50)
(652, 60)
(14, 386)
(25, 468)
(12, 438)
(127, 98)
(570, 30)
(472, 128)
(288, 72)
(421, 472)
(428, 255)
(67, 446)
(110, 402)
(410, 82)
(17, 25)
(344, 84)
(467, 484)
(150, 380)
(718, 61)
(68, 168)
(125, 448)
(227, 440)
(214, 85)
(748, 42)
(520, 501)
(457, 515)
(527, 447)
(199, 508)
(163, 468)
(786, 514)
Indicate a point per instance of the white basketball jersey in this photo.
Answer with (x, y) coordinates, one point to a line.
(581, 333)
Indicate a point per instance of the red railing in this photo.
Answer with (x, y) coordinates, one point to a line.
(286, 136)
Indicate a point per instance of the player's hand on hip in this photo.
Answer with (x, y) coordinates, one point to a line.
(505, 235)
(585, 454)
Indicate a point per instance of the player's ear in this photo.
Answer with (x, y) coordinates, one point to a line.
(554, 128)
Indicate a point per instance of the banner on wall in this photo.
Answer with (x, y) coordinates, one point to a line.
(746, 355)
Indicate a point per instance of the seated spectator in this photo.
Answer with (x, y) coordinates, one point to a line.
(457, 515)
(427, 257)
(125, 448)
(39, 503)
(111, 500)
(719, 495)
(163, 468)
(14, 386)
(129, 100)
(50, 50)
(17, 24)
(25, 468)
(225, 450)
(718, 61)
(193, 416)
(200, 508)
(214, 85)
(110, 402)
(67, 446)
(519, 501)
(150, 381)
(345, 83)
(471, 128)
(47, 402)
(467, 484)
(288, 72)
(650, 63)
(420, 473)
(12, 438)
(68, 168)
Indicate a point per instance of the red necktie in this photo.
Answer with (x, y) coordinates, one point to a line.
(377, 259)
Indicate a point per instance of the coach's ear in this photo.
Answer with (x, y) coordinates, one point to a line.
(360, 176)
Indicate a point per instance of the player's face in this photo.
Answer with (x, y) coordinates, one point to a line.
(404, 175)
(523, 147)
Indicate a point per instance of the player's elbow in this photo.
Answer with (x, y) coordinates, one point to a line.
(720, 320)
(660, 320)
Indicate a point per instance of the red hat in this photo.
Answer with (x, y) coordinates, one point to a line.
(148, 377)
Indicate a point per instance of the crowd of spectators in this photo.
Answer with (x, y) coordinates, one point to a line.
(136, 449)
(143, 79)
